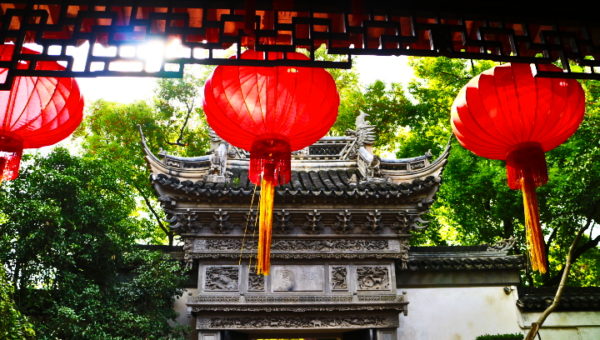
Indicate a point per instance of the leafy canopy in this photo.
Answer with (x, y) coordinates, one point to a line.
(67, 240)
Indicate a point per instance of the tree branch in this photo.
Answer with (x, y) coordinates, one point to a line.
(156, 216)
(535, 326)
(551, 238)
(577, 253)
(587, 246)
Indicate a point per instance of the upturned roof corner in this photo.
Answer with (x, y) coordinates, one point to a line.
(350, 156)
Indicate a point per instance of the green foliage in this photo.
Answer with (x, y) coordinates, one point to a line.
(110, 133)
(474, 204)
(514, 336)
(13, 324)
(67, 241)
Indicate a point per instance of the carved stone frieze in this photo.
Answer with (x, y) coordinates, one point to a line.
(217, 299)
(381, 298)
(188, 245)
(297, 299)
(373, 278)
(221, 278)
(296, 245)
(295, 222)
(300, 309)
(256, 283)
(339, 278)
(300, 256)
(297, 322)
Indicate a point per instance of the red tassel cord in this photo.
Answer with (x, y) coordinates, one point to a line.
(265, 227)
(526, 170)
(535, 237)
(11, 150)
(270, 165)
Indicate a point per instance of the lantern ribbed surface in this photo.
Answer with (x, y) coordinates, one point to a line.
(506, 106)
(244, 104)
(35, 112)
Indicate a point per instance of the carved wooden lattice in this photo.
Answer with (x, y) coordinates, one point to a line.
(345, 27)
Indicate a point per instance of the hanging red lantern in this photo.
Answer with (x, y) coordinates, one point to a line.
(35, 112)
(508, 114)
(270, 111)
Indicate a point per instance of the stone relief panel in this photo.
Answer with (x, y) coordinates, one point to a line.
(339, 278)
(256, 283)
(298, 322)
(342, 245)
(221, 278)
(296, 278)
(373, 278)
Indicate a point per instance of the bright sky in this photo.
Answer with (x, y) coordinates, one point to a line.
(129, 89)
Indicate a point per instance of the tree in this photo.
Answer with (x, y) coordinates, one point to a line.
(68, 243)
(13, 324)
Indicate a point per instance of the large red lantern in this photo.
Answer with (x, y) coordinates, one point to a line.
(270, 111)
(508, 114)
(35, 112)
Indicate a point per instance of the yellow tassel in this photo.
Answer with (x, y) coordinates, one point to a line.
(535, 237)
(265, 226)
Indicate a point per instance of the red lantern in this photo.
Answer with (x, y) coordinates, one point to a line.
(270, 111)
(35, 112)
(506, 113)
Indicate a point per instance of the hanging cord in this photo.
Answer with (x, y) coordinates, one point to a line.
(254, 229)
(250, 213)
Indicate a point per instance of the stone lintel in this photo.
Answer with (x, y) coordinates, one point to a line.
(293, 321)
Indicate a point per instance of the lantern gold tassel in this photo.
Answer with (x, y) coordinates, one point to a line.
(535, 237)
(526, 170)
(265, 225)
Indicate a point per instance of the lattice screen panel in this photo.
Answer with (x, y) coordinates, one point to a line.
(107, 38)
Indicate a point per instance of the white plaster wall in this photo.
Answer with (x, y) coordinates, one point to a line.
(458, 313)
(565, 325)
(184, 317)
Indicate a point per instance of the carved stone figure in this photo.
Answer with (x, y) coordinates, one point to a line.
(373, 221)
(313, 222)
(503, 245)
(223, 278)
(284, 280)
(404, 248)
(256, 283)
(221, 223)
(373, 278)
(282, 221)
(339, 278)
(344, 221)
(218, 163)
